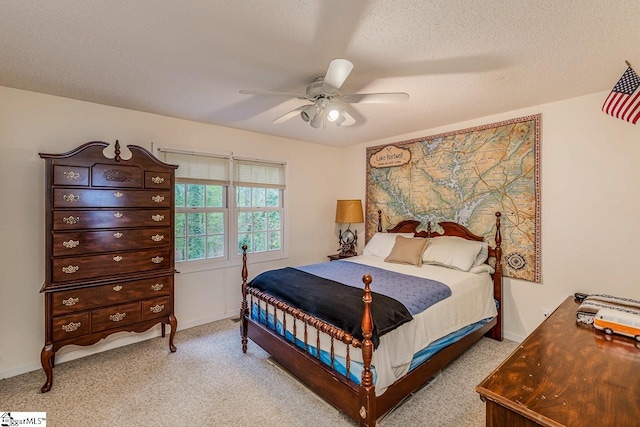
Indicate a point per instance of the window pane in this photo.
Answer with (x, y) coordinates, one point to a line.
(196, 248)
(259, 221)
(274, 241)
(195, 195)
(195, 224)
(181, 221)
(244, 239)
(180, 195)
(259, 242)
(243, 197)
(259, 197)
(244, 221)
(215, 222)
(181, 248)
(214, 196)
(273, 197)
(215, 246)
(274, 221)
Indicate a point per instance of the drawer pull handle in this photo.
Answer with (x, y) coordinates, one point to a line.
(117, 258)
(71, 327)
(117, 317)
(70, 197)
(117, 288)
(117, 235)
(118, 214)
(157, 179)
(70, 269)
(71, 175)
(71, 220)
(157, 199)
(70, 301)
(157, 308)
(157, 217)
(157, 286)
(157, 237)
(157, 260)
(118, 194)
(71, 244)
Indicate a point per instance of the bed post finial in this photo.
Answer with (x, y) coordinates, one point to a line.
(244, 310)
(379, 220)
(367, 389)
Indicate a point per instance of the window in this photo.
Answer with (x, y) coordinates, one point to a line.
(216, 215)
(201, 215)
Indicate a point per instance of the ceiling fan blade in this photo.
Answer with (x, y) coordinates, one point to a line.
(375, 98)
(291, 114)
(337, 73)
(272, 93)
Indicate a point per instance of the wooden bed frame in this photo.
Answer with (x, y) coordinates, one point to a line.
(360, 401)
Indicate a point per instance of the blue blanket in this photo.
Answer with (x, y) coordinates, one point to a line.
(415, 293)
(330, 300)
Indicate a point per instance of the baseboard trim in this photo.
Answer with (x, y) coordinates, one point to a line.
(119, 339)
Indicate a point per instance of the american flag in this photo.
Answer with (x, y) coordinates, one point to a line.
(624, 100)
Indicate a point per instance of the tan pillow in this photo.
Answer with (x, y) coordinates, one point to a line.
(407, 250)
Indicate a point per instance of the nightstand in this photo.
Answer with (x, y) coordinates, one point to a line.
(336, 257)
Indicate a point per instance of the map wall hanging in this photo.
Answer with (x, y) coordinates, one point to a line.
(465, 176)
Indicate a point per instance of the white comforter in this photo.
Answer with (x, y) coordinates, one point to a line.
(471, 300)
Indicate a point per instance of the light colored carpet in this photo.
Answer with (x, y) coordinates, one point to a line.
(210, 382)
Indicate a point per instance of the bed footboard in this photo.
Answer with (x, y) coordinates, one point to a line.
(278, 335)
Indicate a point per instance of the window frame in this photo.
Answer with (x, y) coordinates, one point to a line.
(231, 258)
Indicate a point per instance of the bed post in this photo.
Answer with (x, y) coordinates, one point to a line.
(367, 390)
(379, 221)
(496, 332)
(244, 310)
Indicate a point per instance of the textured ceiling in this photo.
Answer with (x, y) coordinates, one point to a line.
(457, 59)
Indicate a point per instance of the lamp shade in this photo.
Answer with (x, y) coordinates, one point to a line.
(349, 211)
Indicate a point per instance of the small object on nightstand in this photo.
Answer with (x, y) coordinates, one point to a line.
(336, 257)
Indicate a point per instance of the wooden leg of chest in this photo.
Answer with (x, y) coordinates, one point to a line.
(46, 358)
(174, 325)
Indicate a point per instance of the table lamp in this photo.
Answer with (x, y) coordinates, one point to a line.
(348, 212)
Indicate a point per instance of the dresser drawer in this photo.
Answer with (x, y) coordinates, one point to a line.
(70, 326)
(109, 241)
(112, 317)
(81, 198)
(85, 267)
(99, 296)
(159, 307)
(73, 220)
(70, 175)
(103, 175)
(157, 179)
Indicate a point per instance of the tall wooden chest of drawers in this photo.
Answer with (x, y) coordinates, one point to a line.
(109, 247)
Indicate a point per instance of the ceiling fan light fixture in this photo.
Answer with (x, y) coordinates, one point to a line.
(316, 121)
(309, 113)
(340, 120)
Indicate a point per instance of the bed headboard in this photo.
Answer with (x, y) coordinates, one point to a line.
(458, 230)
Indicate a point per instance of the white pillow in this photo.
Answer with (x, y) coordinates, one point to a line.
(483, 255)
(452, 252)
(381, 244)
(483, 268)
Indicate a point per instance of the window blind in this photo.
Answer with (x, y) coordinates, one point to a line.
(199, 166)
(256, 173)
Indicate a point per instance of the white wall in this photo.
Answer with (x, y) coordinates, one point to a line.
(590, 183)
(31, 123)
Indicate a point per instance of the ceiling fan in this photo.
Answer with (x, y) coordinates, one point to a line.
(327, 103)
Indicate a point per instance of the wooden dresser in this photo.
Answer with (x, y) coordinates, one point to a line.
(566, 374)
(109, 247)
